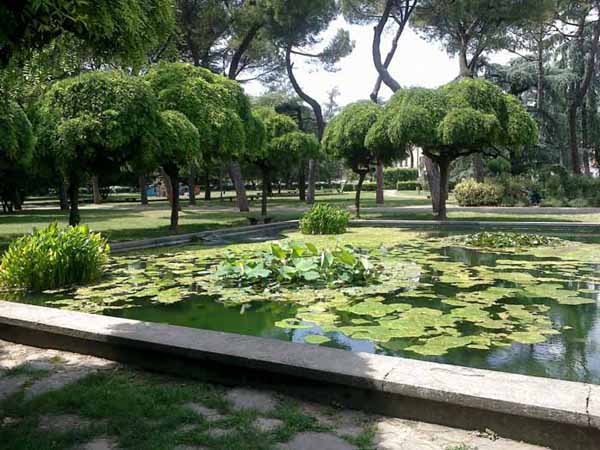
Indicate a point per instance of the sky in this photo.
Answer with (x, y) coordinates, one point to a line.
(417, 63)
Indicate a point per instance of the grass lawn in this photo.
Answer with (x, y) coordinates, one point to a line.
(129, 221)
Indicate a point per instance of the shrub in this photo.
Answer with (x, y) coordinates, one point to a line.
(369, 187)
(54, 258)
(324, 219)
(392, 176)
(553, 202)
(506, 240)
(408, 185)
(471, 193)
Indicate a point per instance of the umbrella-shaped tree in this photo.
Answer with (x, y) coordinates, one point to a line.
(216, 106)
(459, 119)
(16, 149)
(178, 147)
(96, 122)
(272, 152)
(355, 136)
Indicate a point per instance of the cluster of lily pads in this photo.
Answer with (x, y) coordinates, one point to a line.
(499, 239)
(403, 292)
(298, 263)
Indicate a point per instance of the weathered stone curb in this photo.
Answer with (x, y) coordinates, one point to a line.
(240, 232)
(559, 414)
(479, 225)
(120, 247)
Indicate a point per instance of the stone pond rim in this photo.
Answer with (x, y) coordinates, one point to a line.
(558, 414)
(263, 229)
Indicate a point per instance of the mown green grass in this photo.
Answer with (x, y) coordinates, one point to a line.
(128, 221)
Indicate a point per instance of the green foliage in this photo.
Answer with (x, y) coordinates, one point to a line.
(216, 106)
(123, 28)
(54, 258)
(98, 121)
(346, 133)
(179, 141)
(298, 263)
(324, 219)
(392, 175)
(408, 186)
(506, 240)
(16, 150)
(472, 193)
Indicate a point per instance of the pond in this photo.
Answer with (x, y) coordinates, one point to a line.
(531, 311)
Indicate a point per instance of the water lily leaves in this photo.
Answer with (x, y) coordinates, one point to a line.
(439, 345)
(316, 339)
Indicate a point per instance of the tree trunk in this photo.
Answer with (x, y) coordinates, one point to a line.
(192, 185)
(74, 217)
(18, 200)
(318, 111)
(433, 179)
(143, 189)
(62, 196)
(173, 174)
(169, 185)
(444, 166)
(412, 158)
(235, 172)
(207, 189)
(96, 190)
(573, 144)
(478, 167)
(379, 174)
(361, 179)
(540, 74)
(312, 181)
(265, 191)
(382, 70)
(302, 182)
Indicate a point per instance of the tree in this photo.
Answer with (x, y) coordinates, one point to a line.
(178, 147)
(123, 28)
(459, 119)
(16, 149)
(273, 151)
(96, 123)
(346, 138)
(216, 106)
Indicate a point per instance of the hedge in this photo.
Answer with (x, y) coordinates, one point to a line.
(408, 186)
(393, 175)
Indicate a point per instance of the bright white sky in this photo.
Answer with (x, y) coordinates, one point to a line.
(417, 63)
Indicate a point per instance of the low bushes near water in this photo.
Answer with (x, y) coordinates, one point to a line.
(298, 263)
(53, 258)
(506, 240)
(324, 219)
(472, 193)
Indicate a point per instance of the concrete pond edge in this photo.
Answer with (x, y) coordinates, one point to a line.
(558, 414)
(263, 229)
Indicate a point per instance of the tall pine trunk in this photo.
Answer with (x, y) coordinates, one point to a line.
(207, 190)
(433, 179)
(302, 182)
(478, 167)
(173, 173)
(361, 178)
(235, 172)
(444, 167)
(73, 190)
(97, 197)
(312, 181)
(62, 196)
(192, 185)
(143, 189)
(379, 174)
(266, 180)
(169, 184)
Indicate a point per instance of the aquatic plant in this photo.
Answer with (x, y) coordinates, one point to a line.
(324, 219)
(298, 263)
(506, 240)
(53, 258)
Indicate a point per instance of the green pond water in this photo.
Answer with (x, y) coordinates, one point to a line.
(533, 311)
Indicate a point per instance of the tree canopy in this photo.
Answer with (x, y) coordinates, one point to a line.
(459, 119)
(97, 122)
